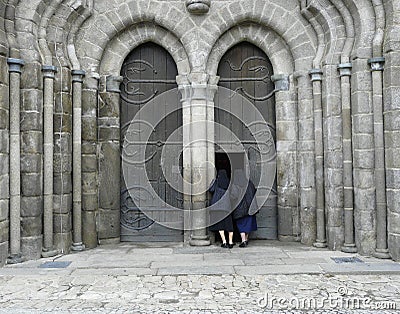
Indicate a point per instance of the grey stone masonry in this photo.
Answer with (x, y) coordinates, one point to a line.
(4, 160)
(62, 161)
(337, 126)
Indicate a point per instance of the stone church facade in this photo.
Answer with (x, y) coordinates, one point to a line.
(333, 84)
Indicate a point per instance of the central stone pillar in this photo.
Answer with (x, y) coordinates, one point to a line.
(201, 147)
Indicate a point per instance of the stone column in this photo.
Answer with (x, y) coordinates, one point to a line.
(15, 156)
(286, 149)
(48, 147)
(333, 161)
(306, 155)
(381, 250)
(345, 73)
(109, 162)
(316, 79)
(200, 96)
(77, 80)
(185, 90)
(90, 194)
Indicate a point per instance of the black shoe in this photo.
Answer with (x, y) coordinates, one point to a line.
(224, 245)
(243, 244)
(231, 245)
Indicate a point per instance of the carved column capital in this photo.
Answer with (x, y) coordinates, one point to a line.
(49, 71)
(281, 82)
(377, 64)
(315, 75)
(344, 69)
(15, 65)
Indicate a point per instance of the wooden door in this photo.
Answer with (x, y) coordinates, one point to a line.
(246, 70)
(148, 72)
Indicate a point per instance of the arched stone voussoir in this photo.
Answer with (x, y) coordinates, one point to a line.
(266, 39)
(120, 46)
(270, 14)
(109, 24)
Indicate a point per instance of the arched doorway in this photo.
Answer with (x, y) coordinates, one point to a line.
(149, 71)
(247, 70)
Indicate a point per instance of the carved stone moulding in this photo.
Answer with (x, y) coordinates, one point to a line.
(198, 6)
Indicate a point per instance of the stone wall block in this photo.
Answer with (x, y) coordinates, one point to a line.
(89, 163)
(62, 123)
(31, 77)
(31, 163)
(62, 204)
(63, 85)
(109, 177)
(32, 206)
(90, 201)
(394, 246)
(31, 184)
(4, 225)
(89, 221)
(362, 123)
(4, 164)
(392, 120)
(4, 97)
(62, 143)
(31, 247)
(109, 133)
(62, 223)
(4, 204)
(62, 163)
(363, 159)
(392, 178)
(3, 253)
(89, 129)
(89, 148)
(364, 199)
(4, 186)
(394, 223)
(363, 178)
(109, 223)
(62, 183)
(32, 142)
(31, 226)
(89, 102)
(32, 100)
(4, 141)
(109, 106)
(285, 220)
(63, 242)
(63, 103)
(393, 200)
(89, 182)
(3, 70)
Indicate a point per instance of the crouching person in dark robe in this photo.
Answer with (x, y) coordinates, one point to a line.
(220, 208)
(243, 194)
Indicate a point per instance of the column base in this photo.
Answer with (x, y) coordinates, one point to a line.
(349, 248)
(199, 242)
(15, 259)
(202, 240)
(77, 247)
(320, 244)
(49, 253)
(382, 253)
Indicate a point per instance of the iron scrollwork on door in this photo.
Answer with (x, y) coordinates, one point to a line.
(131, 83)
(255, 65)
(148, 71)
(131, 217)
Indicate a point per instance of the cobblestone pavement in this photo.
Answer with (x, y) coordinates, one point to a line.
(263, 278)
